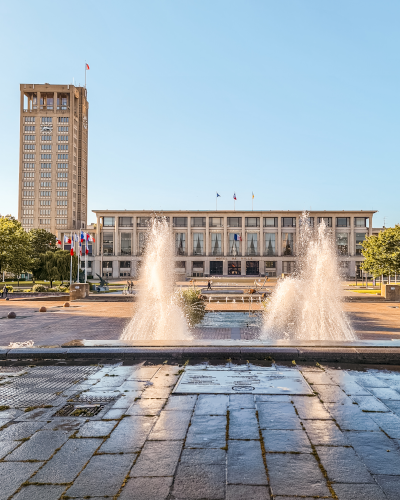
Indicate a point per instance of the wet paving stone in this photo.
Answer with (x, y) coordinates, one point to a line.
(171, 425)
(115, 414)
(203, 456)
(332, 394)
(369, 380)
(146, 488)
(180, 403)
(370, 404)
(91, 483)
(13, 475)
(390, 485)
(324, 432)
(286, 441)
(210, 404)
(158, 459)
(319, 378)
(146, 407)
(68, 462)
(388, 422)
(199, 481)
(96, 429)
(343, 465)
(245, 463)
(39, 447)
(45, 492)
(246, 492)
(351, 418)
(133, 385)
(305, 477)
(393, 406)
(67, 425)
(243, 424)
(129, 436)
(7, 447)
(359, 491)
(389, 394)
(40, 415)
(143, 372)
(266, 398)
(310, 408)
(207, 432)
(157, 392)
(126, 400)
(278, 416)
(372, 448)
(21, 430)
(241, 401)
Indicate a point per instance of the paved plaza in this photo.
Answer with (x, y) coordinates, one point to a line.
(106, 320)
(117, 431)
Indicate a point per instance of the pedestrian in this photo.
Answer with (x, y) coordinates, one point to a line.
(209, 285)
(4, 292)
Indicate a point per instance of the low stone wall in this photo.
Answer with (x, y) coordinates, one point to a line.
(35, 295)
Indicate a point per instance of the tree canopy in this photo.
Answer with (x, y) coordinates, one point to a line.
(41, 242)
(382, 252)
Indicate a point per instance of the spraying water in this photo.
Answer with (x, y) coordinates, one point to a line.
(308, 305)
(158, 314)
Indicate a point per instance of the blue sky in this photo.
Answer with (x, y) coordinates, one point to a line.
(297, 101)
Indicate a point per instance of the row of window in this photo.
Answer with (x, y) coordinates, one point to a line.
(47, 119)
(236, 221)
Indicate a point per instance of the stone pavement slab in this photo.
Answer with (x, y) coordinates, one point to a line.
(42, 492)
(305, 477)
(145, 407)
(91, 481)
(209, 404)
(13, 475)
(243, 424)
(278, 416)
(20, 430)
(245, 492)
(358, 491)
(96, 429)
(286, 441)
(67, 463)
(324, 432)
(207, 432)
(129, 435)
(199, 481)
(39, 447)
(171, 425)
(352, 418)
(158, 459)
(245, 463)
(146, 488)
(390, 485)
(343, 465)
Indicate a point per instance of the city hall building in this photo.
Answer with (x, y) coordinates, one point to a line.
(222, 243)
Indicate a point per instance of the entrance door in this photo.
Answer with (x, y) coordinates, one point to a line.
(216, 268)
(234, 267)
(252, 268)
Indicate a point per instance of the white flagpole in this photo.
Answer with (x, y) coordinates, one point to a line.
(77, 278)
(216, 202)
(85, 74)
(70, 270)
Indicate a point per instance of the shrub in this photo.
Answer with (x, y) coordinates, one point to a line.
(39, 288)
(193, 305)
(10, 288)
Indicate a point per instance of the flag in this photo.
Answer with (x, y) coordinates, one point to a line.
(59, 242)
(218, 195)
(87, 66)
(82, 236)
(234, 196)
(76, 237)
(71, 241)
(66, 239)
(80, 248)
(252, 195)
(235, 237)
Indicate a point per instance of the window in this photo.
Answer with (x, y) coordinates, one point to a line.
(45, 165)
(62, 157)
(308, 222)
(216, 244)
(143, 221)
(29, 166)
(252, 221)
(29, 128)
(62, 203)
(45, 212)
(141, 243)
(327, 221)
(126, 244)
(234, 244)
(45, 157)
(62, 137)
(270, 221)
(107, 264)
(270, 269)
(61, 212)
(62, 147)
(252, 247)
(342, 221)
(108, 243)
(270, 264)
(44, 203)
(180, 243)
(27, 212)
(342, 243)
(45, 146)
(27, 222)
(288, 266)
(63, 129)
(287, 243)
(125, 222)
(46, 138)
(180, 221)
(44, 222)
(29, 174)
(62, 174)
(125, 264)
(47, 119)
(216, 268)
(28, 147)
(29, 156)
(269, 244)
(28, 194)
(234, 268)
(29, 137)
(288, 221)
(63, 119)
(29, 119)
(26, 203)
(29, 184)
(360, 237)
(215, 222)
(45, 193)
(109, 221)
(198, 221)
(198, 243)
(234, 222)
(62, 193)
(360, 221)
(62, 184)
(62, 165)
(45, 174)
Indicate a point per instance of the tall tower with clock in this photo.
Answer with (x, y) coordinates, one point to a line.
(53, 165)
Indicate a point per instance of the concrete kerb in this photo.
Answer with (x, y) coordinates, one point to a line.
(332, 354)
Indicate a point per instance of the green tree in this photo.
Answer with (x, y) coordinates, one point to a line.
(56, 266)
(48, 266)
(41, 242)
(19, 253)
(382, 252)
(8, 228)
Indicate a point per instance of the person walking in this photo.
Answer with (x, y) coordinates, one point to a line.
(4, 292)
(209, 285)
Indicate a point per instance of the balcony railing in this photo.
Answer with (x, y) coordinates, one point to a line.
(268, 253)
(252, 253)
(216, 252)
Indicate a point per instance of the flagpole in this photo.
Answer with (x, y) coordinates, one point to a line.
(85, 74)
(79, 258)
(216, 202)
(86, 256)
(70, 270)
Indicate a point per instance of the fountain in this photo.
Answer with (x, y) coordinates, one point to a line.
(158, 313)
(307, 305)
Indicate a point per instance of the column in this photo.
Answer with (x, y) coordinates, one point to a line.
(243, 267)
(243, 238)
(352, 244)
(98, 246)
(370, 226)
(261, 246)
(225, 267)
(297, 237)
(189, 239)
(207, 242)
(116, 236)
(279, 239)
(134, 236)
(225, 242)
(115, 269)
(206, 269)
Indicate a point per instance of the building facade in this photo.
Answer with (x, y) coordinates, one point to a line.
(222, 242)
(53, 166)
